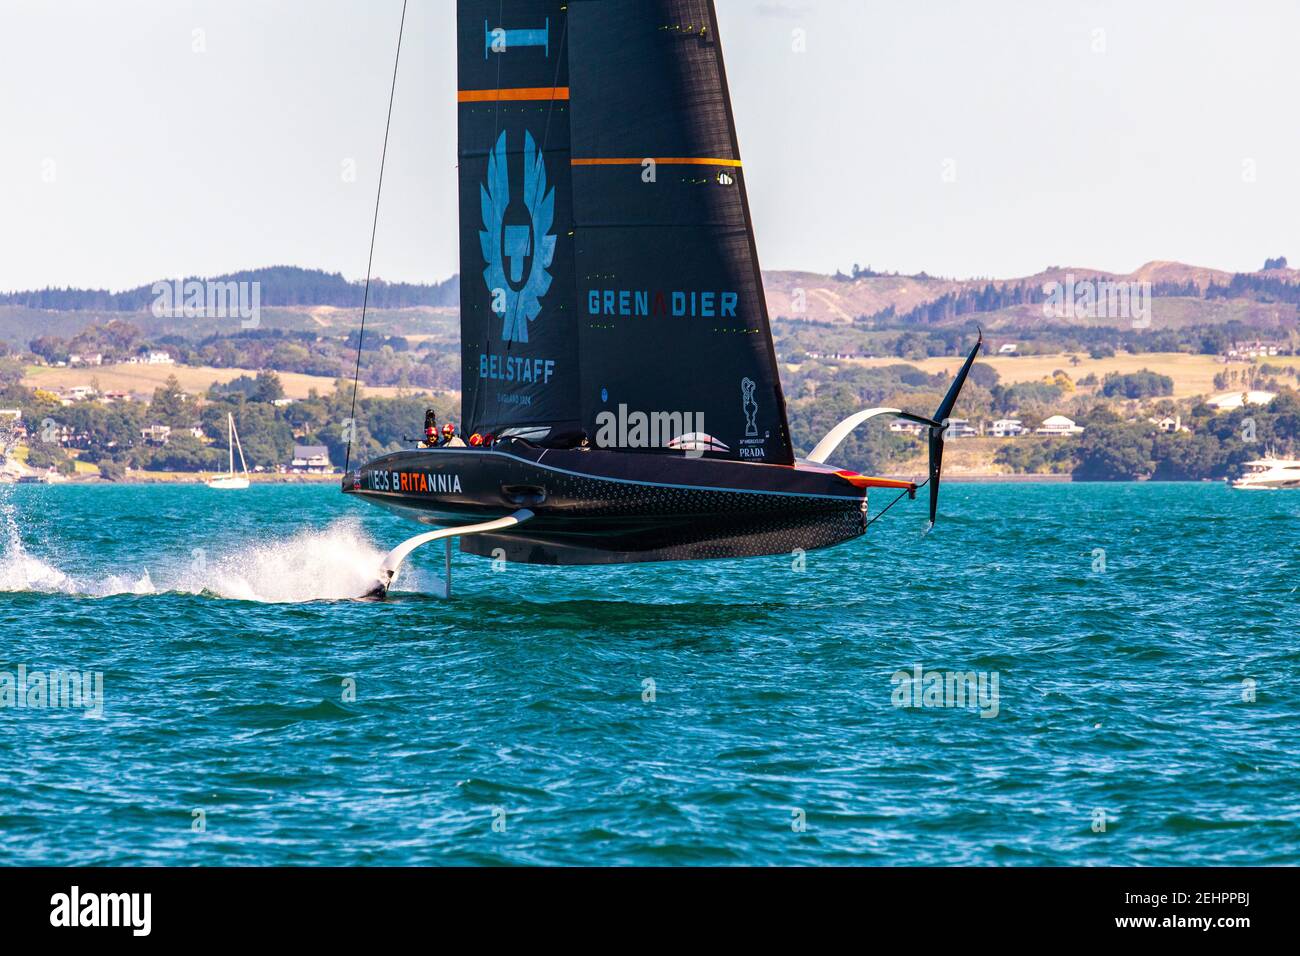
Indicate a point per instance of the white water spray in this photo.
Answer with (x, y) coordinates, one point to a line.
(333, 564)
(20, 571)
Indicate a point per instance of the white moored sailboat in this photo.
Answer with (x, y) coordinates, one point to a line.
(230, 481)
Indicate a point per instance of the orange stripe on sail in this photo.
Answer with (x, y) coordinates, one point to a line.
(517, 94)
(659, 160)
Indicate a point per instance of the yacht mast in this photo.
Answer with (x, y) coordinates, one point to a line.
(236, 443)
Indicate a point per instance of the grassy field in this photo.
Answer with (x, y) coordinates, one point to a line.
(1192, 374)
(143, 379)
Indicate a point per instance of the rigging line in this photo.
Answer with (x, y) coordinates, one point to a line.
(892, 503)
(550, 111)
(374, 229)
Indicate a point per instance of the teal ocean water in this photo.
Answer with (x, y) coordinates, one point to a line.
(1143, 640)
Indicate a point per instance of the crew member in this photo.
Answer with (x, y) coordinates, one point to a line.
(449, 437)
(430, 428)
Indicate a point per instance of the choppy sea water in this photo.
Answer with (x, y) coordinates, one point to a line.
(1143, 639)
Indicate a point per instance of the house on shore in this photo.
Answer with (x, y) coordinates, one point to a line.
(1058, 425)
(154, 357)
(906, 428)
(1169, 424)
(311, 459)
(959, 428)
(78, 393)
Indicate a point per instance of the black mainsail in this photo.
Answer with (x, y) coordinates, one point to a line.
(519, 334)
(603, 205)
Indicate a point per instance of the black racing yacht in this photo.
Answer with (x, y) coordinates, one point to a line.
(618, 371)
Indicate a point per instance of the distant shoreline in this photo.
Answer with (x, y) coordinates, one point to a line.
(198, 479)
(1007, 479)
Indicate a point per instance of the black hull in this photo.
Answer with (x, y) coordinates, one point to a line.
(603, 507)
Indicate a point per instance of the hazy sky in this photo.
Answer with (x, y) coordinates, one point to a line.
(960, 138)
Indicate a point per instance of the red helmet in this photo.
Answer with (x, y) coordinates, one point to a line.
(476, 439)
(449, 429)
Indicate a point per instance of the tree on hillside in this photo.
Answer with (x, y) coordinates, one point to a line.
(50, 347)
(1182, 456)
(981, 373)
(183, 453)
(1285, 412)
(50, 456)
(112, 339)
(11, 373)
(1215, 341)
(267, 388)
(171, 406)
(1142, 384)
(1022, 394)
(1117, 452)
(266, 437)
(289, 357)
(121, 426)
(1061, 380)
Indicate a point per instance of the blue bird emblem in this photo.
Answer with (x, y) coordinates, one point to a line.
(513, 250)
